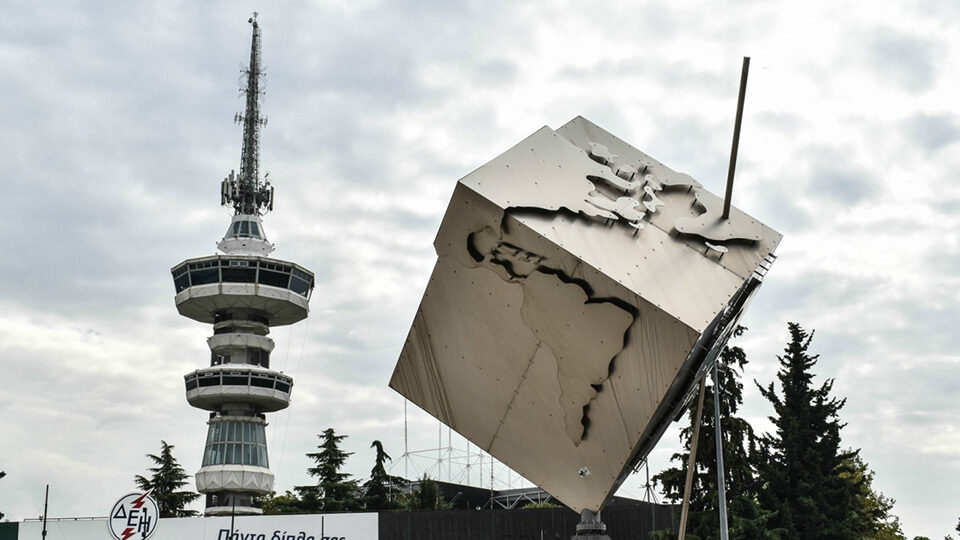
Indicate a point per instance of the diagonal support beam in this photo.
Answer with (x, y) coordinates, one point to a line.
(692, 460)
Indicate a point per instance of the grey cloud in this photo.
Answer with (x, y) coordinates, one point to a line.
(836, 178)
(931, 324)
(932, 131)
(947, 205)
(678, 75)
(819, 289)
(946, 259)
(779, 204)
(787, 123)
(904, 59)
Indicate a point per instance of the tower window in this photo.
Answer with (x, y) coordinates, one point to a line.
(236, 442)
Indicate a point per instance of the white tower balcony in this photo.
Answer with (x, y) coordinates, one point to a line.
(278, 289)
(213, 387)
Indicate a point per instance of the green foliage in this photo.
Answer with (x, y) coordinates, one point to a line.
(542, 505)
(381, 489)
(427, 496)
(334, 491)
(288, 503)
(747, 520)
(810, 482)
(795, 483)
(872, 517)
(165, 480)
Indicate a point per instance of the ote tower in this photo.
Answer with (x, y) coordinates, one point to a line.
(243, 294)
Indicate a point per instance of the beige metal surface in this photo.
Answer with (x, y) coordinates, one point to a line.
(555, 321)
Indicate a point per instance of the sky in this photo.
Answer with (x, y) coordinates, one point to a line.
(116, 127)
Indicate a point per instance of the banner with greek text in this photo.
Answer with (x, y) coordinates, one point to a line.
(291, 527)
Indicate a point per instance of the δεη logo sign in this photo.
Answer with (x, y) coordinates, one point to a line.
(134, 517)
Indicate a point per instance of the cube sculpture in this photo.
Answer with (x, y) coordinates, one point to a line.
(580, 289)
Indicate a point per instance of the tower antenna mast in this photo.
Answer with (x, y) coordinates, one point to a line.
(246, 193)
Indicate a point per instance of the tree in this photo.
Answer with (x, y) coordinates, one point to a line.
(288, 503)
(804, 471)
(872, 509)
(166, 480)
(378, 489)
(747, 520)
(427, 496)
(334, 491)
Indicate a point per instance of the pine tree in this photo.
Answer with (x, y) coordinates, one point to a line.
(334, 491)
(805, 471)
(165, 480)
(747, 520)
(427, 496)
(377, 490)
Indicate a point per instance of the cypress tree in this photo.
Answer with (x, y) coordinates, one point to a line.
(334, 491)
(809, 482)
(165, 480)
(377, 490)
(741, 451)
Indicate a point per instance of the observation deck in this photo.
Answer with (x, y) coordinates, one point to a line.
(213, 387)
(206, 285)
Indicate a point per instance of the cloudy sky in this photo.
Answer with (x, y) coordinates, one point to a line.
(116, 129)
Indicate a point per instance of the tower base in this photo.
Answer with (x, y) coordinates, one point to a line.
(231, 503)
(590, 527)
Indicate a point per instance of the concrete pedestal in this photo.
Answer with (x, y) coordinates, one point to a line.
(590, 527)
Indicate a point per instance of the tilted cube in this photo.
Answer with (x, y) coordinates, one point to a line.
(580, 288)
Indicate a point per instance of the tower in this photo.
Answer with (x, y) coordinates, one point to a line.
(242, 293)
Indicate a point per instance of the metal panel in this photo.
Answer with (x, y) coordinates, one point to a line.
(562, 309)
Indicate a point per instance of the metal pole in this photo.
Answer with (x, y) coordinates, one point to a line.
(691, 461)
(233, 514)
(493, 528)
(736, 137)
(721, 480)
(406, 449)
(652, 497)
(46, 499)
